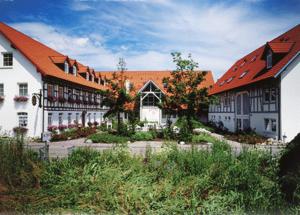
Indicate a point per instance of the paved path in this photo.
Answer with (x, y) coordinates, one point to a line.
(63, 148)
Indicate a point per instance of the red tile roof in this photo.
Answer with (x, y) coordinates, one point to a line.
(140, 78)
(252, 67)
(43, 57)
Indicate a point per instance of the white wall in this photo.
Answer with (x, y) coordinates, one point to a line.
(227, 119)
(22, 71)
(257, 122)
(290, 100)
(151, 114)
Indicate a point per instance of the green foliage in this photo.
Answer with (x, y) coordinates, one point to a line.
(185, 96)
(19, 168)
(142, 136)
(203, 138)
(289, 173)
(108, 138)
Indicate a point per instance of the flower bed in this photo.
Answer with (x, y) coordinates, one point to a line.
(21, 98)
(73, 133)
(62, 127)
(52, 128)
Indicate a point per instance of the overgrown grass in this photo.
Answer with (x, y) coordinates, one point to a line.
(171, 182)
(142, 136)
(203, 138)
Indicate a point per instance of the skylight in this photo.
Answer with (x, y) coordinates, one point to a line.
(243, 74)
(243, 63)
(253, 59)
(230, 79)
(221, 84)
(235, 68)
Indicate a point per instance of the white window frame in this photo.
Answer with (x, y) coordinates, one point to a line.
(25, 89)
(1, 89)
(74, 70)
(4, 58)
(23, 119)
(270, 125)
(269, 60)
(66, 67)
(60, 119)
(50, 119)
(69, 118)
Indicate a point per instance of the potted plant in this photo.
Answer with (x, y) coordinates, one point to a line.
(21, 98)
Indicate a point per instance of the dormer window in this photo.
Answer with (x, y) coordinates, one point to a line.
(92, 79)
(74, 70)
(66, 67)
(87, 76)
(269, 59)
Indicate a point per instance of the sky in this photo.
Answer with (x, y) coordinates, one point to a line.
(145, 32)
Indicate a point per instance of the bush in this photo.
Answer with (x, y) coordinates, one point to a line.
(73, 133)
(142, 136)
(108, 138)
(289, 165)
(203, 138)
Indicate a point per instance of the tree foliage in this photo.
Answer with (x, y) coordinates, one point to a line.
(117, 94)
(185, 96)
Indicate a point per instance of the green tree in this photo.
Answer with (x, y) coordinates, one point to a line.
(117, 94)
(184, 94)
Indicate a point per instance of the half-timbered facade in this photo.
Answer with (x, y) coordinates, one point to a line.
(258, 91)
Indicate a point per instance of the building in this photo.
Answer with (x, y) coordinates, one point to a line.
(66, 87)
(260, 90)
(67, 90)
(149, 84)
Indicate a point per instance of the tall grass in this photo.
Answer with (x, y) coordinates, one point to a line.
(173, 181)
(19, 168)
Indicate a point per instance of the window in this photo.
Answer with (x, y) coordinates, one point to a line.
(69, 118)
(273, 95)
(270, 125)
(74, 70)
(243, 63)
(89, 117)
(95, 117)
(266, 95)
(226, 101)
(77, 117)
(7, 59)
(230, 79)
(269, 60)
(150, 100)
(253, 59)
(1, 89)
(60, 118)
(243, 74)
(23, 89)
(49, 119)
(87, 76)
(269, 95)
(66, 67)
(23, 119)
(60, 92)
(222, 83)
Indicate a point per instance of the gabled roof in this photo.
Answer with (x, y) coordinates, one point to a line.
(252, 67)
(43, 57)
(140, 78)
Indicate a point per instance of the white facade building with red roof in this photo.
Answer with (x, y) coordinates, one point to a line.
(67, 88)
(260, 91)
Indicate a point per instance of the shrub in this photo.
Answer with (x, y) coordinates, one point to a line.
(108, 138)
(90, 124)
(73, 133)
(203, 138)
(289, 165)
(140, 136)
